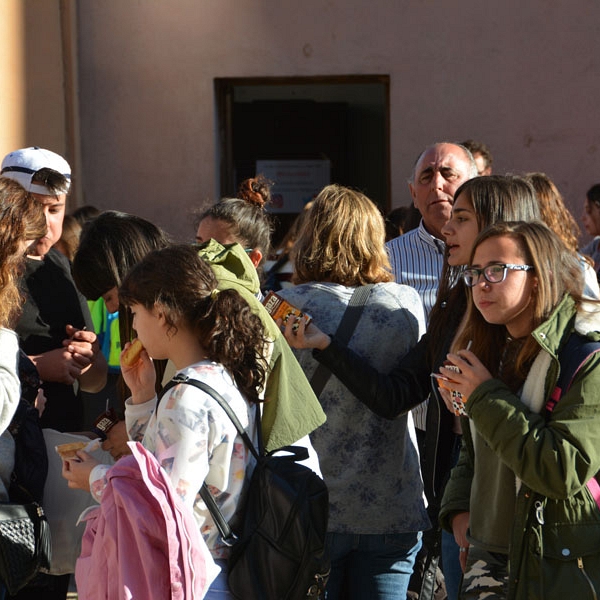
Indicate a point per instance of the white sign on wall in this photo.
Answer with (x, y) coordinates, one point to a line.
(296, 182)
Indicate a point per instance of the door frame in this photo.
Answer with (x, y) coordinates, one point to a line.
(224, 99)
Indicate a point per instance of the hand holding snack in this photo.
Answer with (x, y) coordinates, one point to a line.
(463, 375)
(299, 335)
(138, 372)
(77, 465)
(69, 451)
(281, 309)
(455, 402)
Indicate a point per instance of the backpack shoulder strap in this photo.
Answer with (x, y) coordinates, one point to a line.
(572, 356)
(178, 379)
(227, 535)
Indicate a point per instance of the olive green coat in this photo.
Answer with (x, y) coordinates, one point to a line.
(554, 547)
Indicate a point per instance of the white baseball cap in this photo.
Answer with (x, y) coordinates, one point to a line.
(22, 165)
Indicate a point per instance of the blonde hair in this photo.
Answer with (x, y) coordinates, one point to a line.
(342, 240)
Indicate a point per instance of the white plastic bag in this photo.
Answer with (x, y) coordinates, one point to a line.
(63, 505)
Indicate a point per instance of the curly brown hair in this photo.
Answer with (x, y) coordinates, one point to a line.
(21, 219)
(185, 287)
(553, 210)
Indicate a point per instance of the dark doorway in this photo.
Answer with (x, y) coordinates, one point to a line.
(340, 121)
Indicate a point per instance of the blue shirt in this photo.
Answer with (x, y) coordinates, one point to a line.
(417, 259)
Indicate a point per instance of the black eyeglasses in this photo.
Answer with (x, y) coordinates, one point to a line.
(492, 273)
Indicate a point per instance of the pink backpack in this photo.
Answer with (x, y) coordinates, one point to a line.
(141, 542)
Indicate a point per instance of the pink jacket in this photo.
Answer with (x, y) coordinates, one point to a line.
(141, 542)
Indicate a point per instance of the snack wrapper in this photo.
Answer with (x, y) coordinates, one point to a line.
(104, 422)
(458, 403)
(279, 308)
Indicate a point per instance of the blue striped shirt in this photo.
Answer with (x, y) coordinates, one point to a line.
(417, 259)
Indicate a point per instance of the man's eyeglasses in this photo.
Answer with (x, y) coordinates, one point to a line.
(492, 273)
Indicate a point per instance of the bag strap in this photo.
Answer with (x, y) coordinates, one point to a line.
(573, 355)
(428, 584)
(343, 333)
(228, 537)
(429, 581)
(178, 379)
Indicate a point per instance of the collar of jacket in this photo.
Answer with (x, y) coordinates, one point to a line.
(566, 318)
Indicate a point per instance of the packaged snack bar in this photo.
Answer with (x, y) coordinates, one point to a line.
(279, 308)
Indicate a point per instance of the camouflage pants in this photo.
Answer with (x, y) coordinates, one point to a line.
(486, 577)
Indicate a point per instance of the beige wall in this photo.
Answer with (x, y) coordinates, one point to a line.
(12, 70)
(523, 77)
(33, 71)
(38, 43)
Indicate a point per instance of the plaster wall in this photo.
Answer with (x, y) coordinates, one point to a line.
(32, 96)
(12, 115)
(521, 76)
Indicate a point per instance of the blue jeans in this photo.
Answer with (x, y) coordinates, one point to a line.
(450, 552)
(371, 567)
(219, 590)
(451, 565)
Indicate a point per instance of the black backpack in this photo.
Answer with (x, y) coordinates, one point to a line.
(278, 550)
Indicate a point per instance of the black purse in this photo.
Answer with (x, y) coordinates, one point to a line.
(25, 547)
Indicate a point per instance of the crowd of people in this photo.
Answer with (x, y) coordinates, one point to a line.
(444, 386)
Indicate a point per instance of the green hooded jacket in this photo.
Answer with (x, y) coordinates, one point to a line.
(291, 410)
